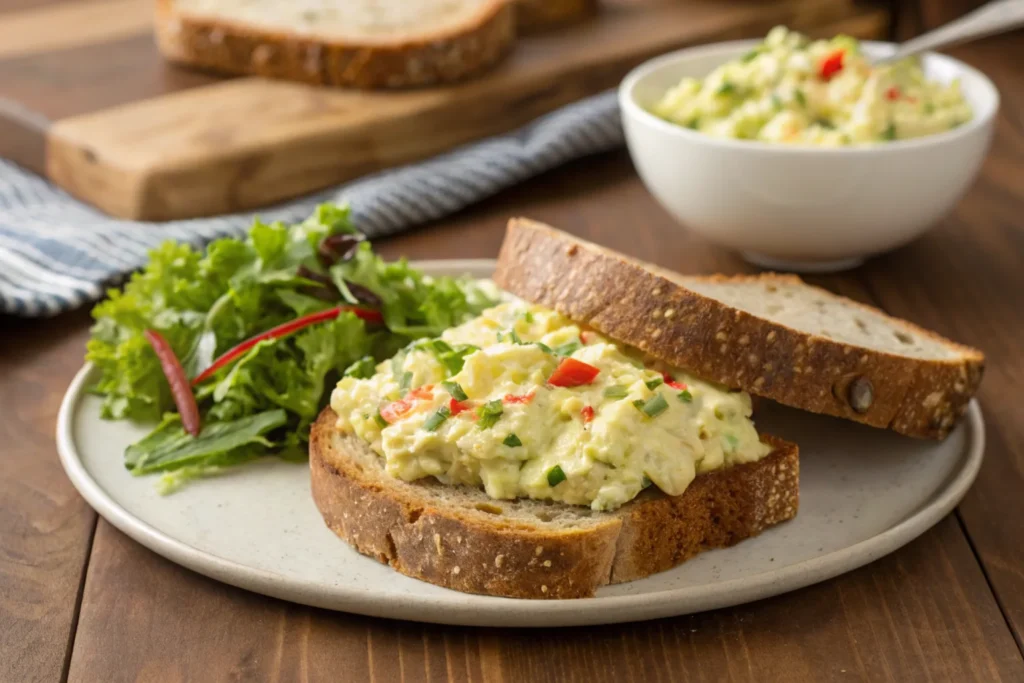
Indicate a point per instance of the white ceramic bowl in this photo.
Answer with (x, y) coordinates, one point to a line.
(802, 208)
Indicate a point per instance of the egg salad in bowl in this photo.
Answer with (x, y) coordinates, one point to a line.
(523, 403)
(789, 89)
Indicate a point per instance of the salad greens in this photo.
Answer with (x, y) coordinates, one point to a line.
(206, 303)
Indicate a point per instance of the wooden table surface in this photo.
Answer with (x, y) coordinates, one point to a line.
(80, 601)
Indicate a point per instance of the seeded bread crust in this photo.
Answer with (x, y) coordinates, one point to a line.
(540, 15)
(428, 59)
(459, 538)
(644, 306)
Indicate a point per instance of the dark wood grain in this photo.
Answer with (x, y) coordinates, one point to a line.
(77, 80)
(924, 613)
(45, 528)
(965, 280)
(912, 17)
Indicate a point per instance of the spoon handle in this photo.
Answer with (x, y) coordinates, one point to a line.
(998, 16)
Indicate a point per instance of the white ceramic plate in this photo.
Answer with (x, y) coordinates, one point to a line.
(863, 493)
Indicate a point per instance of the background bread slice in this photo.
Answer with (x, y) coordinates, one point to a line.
(541, 15)
(411, 44)
(459, 538)
(770, 335)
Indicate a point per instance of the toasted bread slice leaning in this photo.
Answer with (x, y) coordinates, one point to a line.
(358, 43)
(770, 335)
(459, 538)
(541, 15)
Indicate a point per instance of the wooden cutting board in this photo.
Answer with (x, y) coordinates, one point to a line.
(86, 100)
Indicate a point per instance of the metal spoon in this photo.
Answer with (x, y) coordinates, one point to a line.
(998, 16)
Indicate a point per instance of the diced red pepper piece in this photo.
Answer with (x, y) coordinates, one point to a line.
(426, 391)
(457, 407)
(831, 65)
(676, 385)
(524, 398)
(283, 331)
(393, 412)
(572, 373)
(586, 336)
(587, 413)
(667, 377)
(184, 399)
(892, 93)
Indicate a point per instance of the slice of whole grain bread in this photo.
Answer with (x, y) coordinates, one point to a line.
(770, 335)
(459, 538)
(357, 43)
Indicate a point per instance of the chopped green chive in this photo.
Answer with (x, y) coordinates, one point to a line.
(512, 441)
(514, 336)
(489, 413)
(556, 476)
(890, 132)
(436, 346)
(726, 88)
(362, 368)
(437, 419)
(685, 396)
(528, 317)
(693, 124)
(454, 359)
(616, 391)
(652, 407)
(718, 413)
(405, 382)
(733, 442)
(653, 384)
(381, 422)
(568, 348)
(750, 56)
(455, 390)
(646, 482)
(824, 123)
(544, 347)
(800, 98)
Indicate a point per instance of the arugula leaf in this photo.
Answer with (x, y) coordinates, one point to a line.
(169, 446)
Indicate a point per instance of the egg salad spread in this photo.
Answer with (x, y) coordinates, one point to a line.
(524, 403)
(824, 93)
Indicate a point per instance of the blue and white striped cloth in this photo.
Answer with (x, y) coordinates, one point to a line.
(57, 254)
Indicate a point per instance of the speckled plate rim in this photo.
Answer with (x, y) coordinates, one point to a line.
(474, 610)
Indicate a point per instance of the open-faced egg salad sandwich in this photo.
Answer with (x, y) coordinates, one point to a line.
(595, 426)
(584, 419)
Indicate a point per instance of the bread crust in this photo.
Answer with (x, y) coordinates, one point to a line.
(630, 302)
(410, 527)
(535, 16)
(428, 59)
